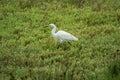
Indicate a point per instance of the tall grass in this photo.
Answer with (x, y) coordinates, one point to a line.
(28, 52)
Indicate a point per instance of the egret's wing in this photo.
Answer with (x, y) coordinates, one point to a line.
(65, 36)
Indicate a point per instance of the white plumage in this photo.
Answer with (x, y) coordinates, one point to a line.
(61, 35)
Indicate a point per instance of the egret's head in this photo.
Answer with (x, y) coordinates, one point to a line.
(52, 25)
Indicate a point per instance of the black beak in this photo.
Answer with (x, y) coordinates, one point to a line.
(46, 26)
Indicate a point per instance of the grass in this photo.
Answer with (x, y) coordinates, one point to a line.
(28, 52)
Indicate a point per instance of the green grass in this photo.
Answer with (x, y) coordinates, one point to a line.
(28, 51)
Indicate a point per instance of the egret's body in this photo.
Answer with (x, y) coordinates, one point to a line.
(61, 35)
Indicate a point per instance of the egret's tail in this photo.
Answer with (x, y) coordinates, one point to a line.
(75, 39)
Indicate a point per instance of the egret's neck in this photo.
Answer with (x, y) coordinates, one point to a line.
(53, 30)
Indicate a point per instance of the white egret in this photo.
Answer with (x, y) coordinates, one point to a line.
(61, 35)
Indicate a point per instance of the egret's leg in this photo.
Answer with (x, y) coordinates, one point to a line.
(69, 43)
(61, 41)
(58, 45)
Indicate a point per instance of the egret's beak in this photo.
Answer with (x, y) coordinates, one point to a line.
(46, 26)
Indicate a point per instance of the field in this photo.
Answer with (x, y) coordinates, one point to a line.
(29, 52)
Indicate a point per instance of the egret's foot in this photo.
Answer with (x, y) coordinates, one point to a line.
(58, 46)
